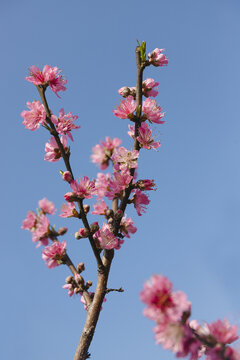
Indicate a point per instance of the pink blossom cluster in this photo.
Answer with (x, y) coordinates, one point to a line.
(53, 254)
(64, 123)
(34, 117)
(52, 150)
(102, 152)
(85, 189)
(48, 76)
(171, 310)
(38, 223)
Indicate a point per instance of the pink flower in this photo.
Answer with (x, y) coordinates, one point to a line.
(30, 222)
(103, 152)
(127, 227)
(126, 108)
(145, 185)
(107, 239)
(53, 254)
(148, 87)
(170, 336)
(120, 182)
(48, 76)
(64, 123)
(85, 189)
(144, 138)
(125, 158)
(41, 231)
(52, 150)
(163, 305)
(47, 206)
(156, 57)
(139, 201)
(68, 210)
(131, 131)
(101, 184)
(100, 208)
(35, 117)
(223, 332)
(152, 112)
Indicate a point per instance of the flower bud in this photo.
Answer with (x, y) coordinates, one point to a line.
(77, 235)
(69, 279)
(86, 208)
(118, 214)
(94, 227)
(62, 231)
(83, 232)
(70, 197)
(67, 176)
(89, 284)
(80, 267)
(109, 213)
(77, 290)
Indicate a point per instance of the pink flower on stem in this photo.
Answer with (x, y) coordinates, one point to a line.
(68, 210)
(102, 152)
(48, 76)
(53, 254)
(85, 189)
(118, 184)
(145, 185)
(170, 336)
(52, 150)
(47, 206)
(156, 57)
(41, 231)
(223, 332)
(100, 208)
(30, 222)
(34, 117)
(127, 227)
(140, 200)
(64, 123)
(107, 239)
(148, 87)
(125, 158)
(152, 112)
(131, 131)
(145, 139)
(163, 305)
(126, 108)
(101, 184)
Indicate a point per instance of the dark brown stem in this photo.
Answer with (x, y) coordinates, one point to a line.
(65, 157)
(94, 309)
(90, 237)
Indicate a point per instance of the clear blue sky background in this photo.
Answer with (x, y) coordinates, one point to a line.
(191, 231)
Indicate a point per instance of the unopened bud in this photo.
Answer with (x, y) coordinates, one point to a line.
(109, 213)
(62, 231)
(77, 235)
(118, 214)
(67, 176)
(83, 232)
(69, 279)
(89, 284)
(86, 208)
(80, 267)
(77, 290)
(94, 227)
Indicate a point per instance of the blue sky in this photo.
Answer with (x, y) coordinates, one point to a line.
(191, 231)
